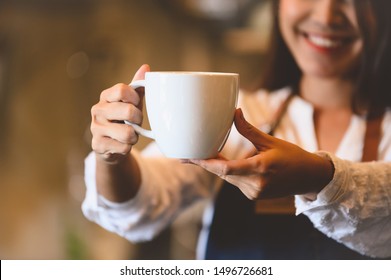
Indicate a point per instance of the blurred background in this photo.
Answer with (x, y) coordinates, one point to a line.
(56, 56)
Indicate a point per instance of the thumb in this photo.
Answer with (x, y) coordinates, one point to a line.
(140, 74)
(259, 139)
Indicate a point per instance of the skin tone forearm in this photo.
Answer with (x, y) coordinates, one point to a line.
(118, 175)
(119, 181)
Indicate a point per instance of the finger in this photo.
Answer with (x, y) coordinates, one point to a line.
(140, 75)
(106, 146)
(259, 139)
(119, 132)
(215, 166)
(117, 112)
(120, 93)
(250, 186)
(195, 161)
(124, 93)
(224, 168)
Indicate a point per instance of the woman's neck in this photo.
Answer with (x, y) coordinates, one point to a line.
(326, 94)
(331, 100)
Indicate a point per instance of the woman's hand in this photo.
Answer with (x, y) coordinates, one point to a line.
(112, 140)
(278, 169)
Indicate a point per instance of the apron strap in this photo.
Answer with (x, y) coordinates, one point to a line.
(372, 137)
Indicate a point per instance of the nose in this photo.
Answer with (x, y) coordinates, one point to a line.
(328, 13)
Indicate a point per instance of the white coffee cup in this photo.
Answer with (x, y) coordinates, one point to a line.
(190, 113)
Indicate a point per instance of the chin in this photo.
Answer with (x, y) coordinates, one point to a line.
(322, 72)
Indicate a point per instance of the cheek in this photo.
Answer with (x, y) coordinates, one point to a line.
(290, 9)
(289, 14)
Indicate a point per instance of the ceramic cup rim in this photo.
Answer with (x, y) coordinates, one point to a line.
(192, 73)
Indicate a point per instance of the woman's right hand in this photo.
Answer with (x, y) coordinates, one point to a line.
(112, 140)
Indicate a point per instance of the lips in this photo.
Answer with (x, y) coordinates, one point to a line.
(327, 42)
(324, 42)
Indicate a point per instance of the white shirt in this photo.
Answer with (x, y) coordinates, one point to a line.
(354, 208)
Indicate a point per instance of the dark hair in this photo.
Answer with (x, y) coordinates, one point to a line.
(373, 79)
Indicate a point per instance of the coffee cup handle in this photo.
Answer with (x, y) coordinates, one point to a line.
(137, 128)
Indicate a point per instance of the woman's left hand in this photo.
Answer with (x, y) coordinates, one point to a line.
(278, 169)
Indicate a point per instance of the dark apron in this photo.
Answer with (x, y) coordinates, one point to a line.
(238, 232)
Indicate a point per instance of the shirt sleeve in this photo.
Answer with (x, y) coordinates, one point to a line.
(167, 187)
(355, 207)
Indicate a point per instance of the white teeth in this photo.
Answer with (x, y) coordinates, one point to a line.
(323, 42)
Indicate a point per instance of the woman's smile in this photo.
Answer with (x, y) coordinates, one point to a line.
(326, 43)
